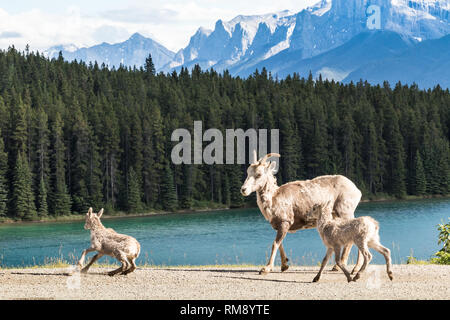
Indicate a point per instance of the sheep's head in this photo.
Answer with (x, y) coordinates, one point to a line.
(259, 173)
(92, 219)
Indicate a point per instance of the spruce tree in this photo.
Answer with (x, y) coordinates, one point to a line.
(3, 180)
(420, 183)
(23, 197)
(149, 66)
(134, 203)
(59, 197)
(42, 206)
(186, 187)
(169, 199)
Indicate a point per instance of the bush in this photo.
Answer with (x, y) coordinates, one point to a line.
(443, 255)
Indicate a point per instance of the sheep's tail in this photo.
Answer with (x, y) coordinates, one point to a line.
(138, 248)
(375, 223)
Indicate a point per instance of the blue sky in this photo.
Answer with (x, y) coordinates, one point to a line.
(45, 23)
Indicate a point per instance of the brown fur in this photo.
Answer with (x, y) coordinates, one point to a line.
(106, 241)
(288, 208)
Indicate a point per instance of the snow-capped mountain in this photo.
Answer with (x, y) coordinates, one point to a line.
(245, 42)
(338, 39)
(131, 52)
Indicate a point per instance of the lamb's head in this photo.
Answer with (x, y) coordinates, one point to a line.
(259, 173)
(93, 219)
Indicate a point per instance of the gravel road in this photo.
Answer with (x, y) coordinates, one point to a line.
(226, 283)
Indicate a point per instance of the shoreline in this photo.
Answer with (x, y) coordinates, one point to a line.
(121, 215)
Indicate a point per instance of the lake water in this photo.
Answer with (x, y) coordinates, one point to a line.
(225, 237)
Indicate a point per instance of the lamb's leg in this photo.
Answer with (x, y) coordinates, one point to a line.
(387, 255)
(94, 258)
(125, 264)
(281, 233)
(367, 257)
(83, 255)
(359, 262)
(132, 268)
(324, 263)
(284, 259)
(337, 256)
(344, 257)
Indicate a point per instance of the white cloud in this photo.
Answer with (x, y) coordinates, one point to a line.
(169, 22)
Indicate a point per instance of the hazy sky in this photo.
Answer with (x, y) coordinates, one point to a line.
(45, 23)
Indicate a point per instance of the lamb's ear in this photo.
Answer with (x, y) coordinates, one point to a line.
(99, 214)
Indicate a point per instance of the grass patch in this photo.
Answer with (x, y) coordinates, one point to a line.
(412, 260)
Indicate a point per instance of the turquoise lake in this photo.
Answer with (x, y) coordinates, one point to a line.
(225, 237)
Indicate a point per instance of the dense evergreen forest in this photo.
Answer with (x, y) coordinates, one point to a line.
(75, 135)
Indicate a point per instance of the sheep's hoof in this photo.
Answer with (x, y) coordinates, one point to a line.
(316, 279)
(111, 273)
(391, 276)
(84, 270)
(284, 267)
(335, 268)
(264, 271)
(356, 277)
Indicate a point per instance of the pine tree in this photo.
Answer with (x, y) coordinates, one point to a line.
(396, 160)
(42, 199)
(168, 193)
(420, 183)
(59, 197)
(23, 197)
(3, 181)
(186, 187)
(134, 203)
(149, 66)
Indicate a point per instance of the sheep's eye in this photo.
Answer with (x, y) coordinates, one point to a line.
(258, 176)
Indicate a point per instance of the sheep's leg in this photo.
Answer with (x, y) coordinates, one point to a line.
(132, 268)
(94, 258)
(344, 257)
(324, 263)
(367, 257)
(359, 262)
(284, 259)
(387, 255)
(338, 258)
(83, 255)
(123, 259)
(281, 233)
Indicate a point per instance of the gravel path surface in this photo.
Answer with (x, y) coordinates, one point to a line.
(226, 283)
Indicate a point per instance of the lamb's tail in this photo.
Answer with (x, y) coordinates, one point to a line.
(375, 223)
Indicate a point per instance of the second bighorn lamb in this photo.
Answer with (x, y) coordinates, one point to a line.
(338, 233)
(106, 241)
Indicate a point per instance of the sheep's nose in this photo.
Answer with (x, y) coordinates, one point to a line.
(243, 190)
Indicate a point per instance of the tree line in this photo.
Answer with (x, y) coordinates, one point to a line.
(77, 135)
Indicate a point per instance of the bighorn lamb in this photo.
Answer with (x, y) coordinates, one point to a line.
(124, 248)
(287, 207)
(336, 233)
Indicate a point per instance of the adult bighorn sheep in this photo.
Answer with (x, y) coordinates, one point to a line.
(288, 208)
(124, 248)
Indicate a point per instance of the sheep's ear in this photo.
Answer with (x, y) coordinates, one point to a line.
(99, 214)
(89, 213)
(273, 167)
